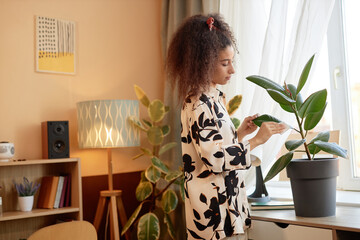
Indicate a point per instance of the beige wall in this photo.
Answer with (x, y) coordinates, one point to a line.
(117, 46)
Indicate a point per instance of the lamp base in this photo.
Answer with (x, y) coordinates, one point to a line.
(260, 194)
(113, 199)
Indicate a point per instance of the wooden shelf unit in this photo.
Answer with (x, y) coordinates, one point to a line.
(15, 224)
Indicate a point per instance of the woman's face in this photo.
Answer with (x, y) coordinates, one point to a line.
(224, 67)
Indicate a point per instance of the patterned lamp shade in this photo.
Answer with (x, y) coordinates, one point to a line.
(105, 123)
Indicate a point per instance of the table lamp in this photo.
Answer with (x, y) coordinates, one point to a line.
(105, 124)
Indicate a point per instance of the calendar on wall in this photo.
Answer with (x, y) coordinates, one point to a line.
(55, 45)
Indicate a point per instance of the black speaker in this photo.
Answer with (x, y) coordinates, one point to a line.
(55, 139)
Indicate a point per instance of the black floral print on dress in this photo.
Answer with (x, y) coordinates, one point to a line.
(215, 195)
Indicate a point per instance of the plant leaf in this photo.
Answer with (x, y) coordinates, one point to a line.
(137, 123)
(169, 201)
(280, 97)
(294, 144)
(279, 165)
(156, 162)
(149, 124)
(305, 74)
(143, 191)
(173, 175)
(322, 136)
(156, 110)
(332, 148)
(234, 104)
(155, 135)
(167, 147)
(294, 96)
(131, 219)
(265, 118)
(140, 94)
(152, 174)
(265, 83)
(146, 151)
(312, 119)
(165, 130)
(148, 227)
(236, 122)
(314, 103)
(170, 226)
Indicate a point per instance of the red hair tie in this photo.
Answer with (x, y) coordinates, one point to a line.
(210, 22)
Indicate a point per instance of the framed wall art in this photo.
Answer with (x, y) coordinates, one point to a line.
(55, 45)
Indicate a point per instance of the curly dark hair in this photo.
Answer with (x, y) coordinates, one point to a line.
(193, 53)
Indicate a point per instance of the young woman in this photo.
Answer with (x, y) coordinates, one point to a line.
(200, 57)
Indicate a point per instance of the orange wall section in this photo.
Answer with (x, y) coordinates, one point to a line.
(118, 45)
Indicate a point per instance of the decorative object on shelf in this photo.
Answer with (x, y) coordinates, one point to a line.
(105, 124)
(313, 181)
(7, 151)
(55, 45)
(26, 192)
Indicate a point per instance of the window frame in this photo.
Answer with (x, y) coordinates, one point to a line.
(340, 95)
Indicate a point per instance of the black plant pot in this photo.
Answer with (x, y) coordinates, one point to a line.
(313, 185)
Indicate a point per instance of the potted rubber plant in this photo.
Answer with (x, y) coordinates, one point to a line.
(26, 191)
(313, 180)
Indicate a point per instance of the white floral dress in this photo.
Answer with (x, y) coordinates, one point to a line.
(215, 196)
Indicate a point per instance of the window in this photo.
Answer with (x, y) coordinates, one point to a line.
(343, 40)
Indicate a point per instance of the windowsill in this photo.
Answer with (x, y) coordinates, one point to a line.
(282, 191)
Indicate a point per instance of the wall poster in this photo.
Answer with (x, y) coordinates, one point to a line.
(55, 45)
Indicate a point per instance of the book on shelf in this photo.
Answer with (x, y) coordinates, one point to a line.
(63, 192)
(272, 205)
(67, 200)
(47, 191)
(59, 191)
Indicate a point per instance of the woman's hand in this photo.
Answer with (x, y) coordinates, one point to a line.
(246, 127)
(266, 130)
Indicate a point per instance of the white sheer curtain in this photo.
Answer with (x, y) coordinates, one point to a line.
(275, 39)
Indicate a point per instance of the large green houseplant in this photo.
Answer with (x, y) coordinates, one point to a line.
(307, 113)
(153, 192)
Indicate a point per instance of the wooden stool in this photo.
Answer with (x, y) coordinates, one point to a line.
(114, 201)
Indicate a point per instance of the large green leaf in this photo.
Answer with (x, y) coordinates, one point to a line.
(305, 74)
(146, 122)
(265, 118)
(143, 191)
(236, 122)
(131, 219)
(170, 226)
(167, 147)
(279, 165)
(156, 110)
(292, 90)
(148, 227)
(152, 174)
(332, 148)
(156, 162)
(294, 144)
(314, 103)
(169, 201)
(234, 104)
(140, 94)
(312, 119)
(265, 83)
(322, 136)
(155, 135)
(280, 97)
(173, 175)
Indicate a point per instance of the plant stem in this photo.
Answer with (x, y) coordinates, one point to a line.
(167, 186)
(302, 135)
